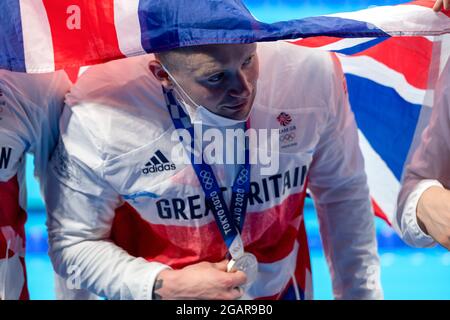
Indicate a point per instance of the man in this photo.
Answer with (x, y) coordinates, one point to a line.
(30, 106)
(132, 221)
(424, 200)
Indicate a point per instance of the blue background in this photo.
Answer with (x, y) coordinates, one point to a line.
(407, 273)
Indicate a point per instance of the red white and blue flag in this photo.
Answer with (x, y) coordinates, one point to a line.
(391, 87)
(391, 56)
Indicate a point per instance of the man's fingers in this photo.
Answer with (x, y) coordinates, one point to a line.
(444, 241)
(236, 293)
(238, 278)
(441, 3)
(222, 265)
(445, 244)
(438, 5)
(232, 294)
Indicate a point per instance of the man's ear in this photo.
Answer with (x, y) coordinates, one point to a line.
(160, 74)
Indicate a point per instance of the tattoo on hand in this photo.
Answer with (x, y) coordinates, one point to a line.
(158, 285)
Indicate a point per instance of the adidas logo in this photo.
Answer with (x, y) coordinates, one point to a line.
(158, 163)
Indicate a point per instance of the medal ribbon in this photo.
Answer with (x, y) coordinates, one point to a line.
(229, 220)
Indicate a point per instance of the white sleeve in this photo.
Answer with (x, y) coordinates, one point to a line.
(339, 187)
(15, 136)
(49, 106)
(81, 211)
(30, 107)
(429, 166)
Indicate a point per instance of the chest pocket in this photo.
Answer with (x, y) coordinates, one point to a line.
(299, 128)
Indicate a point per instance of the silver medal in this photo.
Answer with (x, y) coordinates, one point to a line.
(246, 263)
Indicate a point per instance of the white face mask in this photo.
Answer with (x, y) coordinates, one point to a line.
(200, 114)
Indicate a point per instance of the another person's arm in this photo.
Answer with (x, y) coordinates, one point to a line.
(423, 214)
(81, 208)
(13, 145)
(15, 137)
(24, 102)
(339, 186)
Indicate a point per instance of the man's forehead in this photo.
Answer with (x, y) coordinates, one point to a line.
(210, 57)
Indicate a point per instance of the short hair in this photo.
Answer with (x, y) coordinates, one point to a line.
(177, 57)
(172, 59)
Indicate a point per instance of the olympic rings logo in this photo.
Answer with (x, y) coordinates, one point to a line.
(206, 179)
(243, 177)
(287, 137)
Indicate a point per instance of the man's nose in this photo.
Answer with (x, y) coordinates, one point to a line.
(242, 88)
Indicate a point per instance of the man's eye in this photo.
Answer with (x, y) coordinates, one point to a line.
(216, 78)
(248, 61)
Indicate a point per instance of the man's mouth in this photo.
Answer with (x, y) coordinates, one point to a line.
(238, 106)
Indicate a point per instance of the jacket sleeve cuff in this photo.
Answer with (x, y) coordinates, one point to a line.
(139, 278)
(412, 232)
(147, 293)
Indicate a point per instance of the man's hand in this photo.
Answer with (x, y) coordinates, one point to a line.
(204, 280)
(441, 3)
(433, 214)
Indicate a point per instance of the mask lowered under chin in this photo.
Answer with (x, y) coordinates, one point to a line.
(201, 115)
